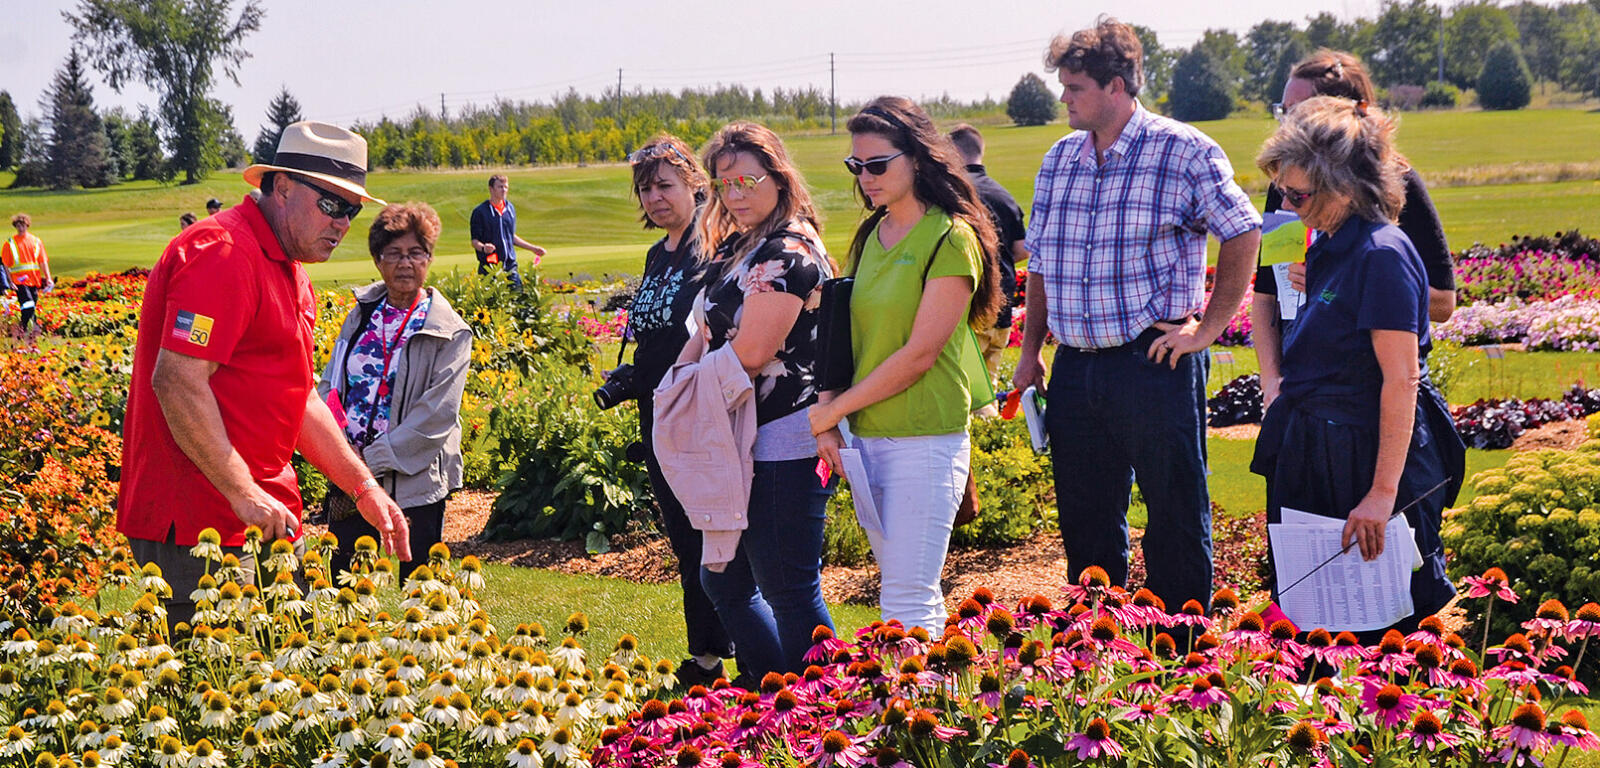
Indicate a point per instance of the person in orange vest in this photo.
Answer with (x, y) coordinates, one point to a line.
(25, 259)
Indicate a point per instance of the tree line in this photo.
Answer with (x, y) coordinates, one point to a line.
(1420, 54)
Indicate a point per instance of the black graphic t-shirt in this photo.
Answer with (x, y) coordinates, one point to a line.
(659, 310)
(793, 261)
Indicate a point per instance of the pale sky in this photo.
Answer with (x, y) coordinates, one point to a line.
(357, 59)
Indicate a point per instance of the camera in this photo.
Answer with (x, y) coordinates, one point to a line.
(618, 388)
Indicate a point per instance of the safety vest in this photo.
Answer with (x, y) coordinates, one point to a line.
(24, 255)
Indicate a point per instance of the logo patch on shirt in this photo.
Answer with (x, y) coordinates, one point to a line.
(193, 328)
(1327, 296)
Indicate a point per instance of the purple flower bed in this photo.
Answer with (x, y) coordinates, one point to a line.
(1238, 402)
(1565, 323)
(1525, 275)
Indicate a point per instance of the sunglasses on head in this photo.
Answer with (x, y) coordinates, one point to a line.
(876, 166)
(654, 151)
(744, 183)
(332, 205)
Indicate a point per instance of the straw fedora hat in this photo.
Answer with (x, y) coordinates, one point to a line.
(320, 151)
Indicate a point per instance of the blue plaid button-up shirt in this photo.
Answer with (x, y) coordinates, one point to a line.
(1122, 245)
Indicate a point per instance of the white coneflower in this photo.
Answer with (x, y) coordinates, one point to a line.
(499, 691)
(116, 705)
(568, 657)
(395, 740)
(89, 736)
(334, 759)
(71, 621)
(296, 654)
(17, 742)
(560, 748)
(524, 755)
(282, 557)
(206, 589)
(360, 697)
(470, 576)
(279, 685)
(207, 756)
(311, 701)
(439, 712)
(396, 698)
(662, 676)
(491, 730)
(157, 723)
(574, 710)
(443, 684)
(8, 683)
(150, 580)
(56, 715)
(218, 712)
(410, 671)
(209, 546)
(350, 735)
(467, 716)
(307, 721)
(20, 644)
(170, 753)
(114, 749)
(252, 744)
(282, 588)
(269, 718)
(612, 707)
(422, 756)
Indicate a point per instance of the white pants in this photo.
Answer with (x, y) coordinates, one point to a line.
(917, 484)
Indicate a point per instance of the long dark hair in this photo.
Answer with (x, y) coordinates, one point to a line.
(939, 180)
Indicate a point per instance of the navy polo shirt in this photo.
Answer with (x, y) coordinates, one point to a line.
(1365, 277)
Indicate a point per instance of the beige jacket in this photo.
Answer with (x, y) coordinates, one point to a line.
(419, 459)
(704, 431)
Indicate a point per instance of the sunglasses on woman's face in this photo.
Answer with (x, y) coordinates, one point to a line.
(742, 183)
(1294, 196)
(331, 205)
(876, 166)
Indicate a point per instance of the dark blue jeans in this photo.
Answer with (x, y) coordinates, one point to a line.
(1113, 414)
(770, 596)
(705, 633)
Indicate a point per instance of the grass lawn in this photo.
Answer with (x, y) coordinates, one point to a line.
(590, 223)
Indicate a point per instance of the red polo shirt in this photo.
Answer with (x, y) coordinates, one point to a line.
(223, 291)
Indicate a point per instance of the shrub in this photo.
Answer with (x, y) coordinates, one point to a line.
(1238, 402)
(1495, 424)
(1505, 82)
(1404, 97)
(1031, 102)
(1448, 362)
(1441, 96)
(1538, 519)
(1202, 89)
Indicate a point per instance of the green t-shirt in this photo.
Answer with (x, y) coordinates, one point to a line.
(883, 306)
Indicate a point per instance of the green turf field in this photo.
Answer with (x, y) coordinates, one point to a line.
(589, 222)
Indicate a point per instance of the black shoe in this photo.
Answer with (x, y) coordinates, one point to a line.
(691, 674)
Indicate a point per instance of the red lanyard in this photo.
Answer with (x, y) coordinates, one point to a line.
(393, 344)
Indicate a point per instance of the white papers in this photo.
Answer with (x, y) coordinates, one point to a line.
(855, 470)
(1033, 413)
(1289, 300)
(1347, 593)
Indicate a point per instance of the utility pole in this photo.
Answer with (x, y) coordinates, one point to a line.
(619, 96)
(833, 98)
(441, 106)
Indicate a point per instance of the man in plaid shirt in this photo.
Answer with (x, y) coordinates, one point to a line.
(1121, 209)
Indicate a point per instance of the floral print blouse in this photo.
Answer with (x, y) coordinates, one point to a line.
(368, 381)
(793, 261)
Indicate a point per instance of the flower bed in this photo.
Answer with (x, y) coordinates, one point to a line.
(1116, 679)
(1525, 275)
(1564, 323)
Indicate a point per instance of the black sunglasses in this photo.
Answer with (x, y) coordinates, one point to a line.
(876, 166)
(332, 205)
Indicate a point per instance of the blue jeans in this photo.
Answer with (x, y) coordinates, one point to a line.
(1112, 414)
(770, 596)
(508, 263)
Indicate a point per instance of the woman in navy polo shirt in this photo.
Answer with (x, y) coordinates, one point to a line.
(1354, 434)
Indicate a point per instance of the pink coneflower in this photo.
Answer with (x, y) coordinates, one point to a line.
(1095, 741)
(1305, 738)
(1492, 582)
(1572, 730)
(823, 645)
(1430, 630)
(1249, 634)
(989, 691)
(1146, 712)
(1017, 759)
(1525, 733)
(1551, 619)
(1276, 664)
(749, 728)
(815, 682)
(889, 757)
(1192, 614)
(1388, 704)
(1092, 585)
(690, 756)
(1198, 664)
(1200, 693)
(656, 720)
(1426, 732)
(1463, 676)
(1586, 623)
(786, 711)
(836, 748)
(925, 724)
(1564, 677)
(1391, 658)
(1515, 673)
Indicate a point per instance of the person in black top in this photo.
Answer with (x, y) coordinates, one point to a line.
(1008, 226)
(671, 187)
(1340, 74)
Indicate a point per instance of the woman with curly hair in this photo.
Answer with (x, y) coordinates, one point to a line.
(924, 272)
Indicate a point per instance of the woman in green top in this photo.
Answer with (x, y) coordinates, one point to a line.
(923, 268)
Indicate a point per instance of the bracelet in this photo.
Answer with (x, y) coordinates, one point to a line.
(366, 487)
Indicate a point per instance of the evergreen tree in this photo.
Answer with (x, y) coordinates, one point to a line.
(1202, 88)
(1471, 30)
(1031, 102)
(79, 154)
(280, 113)
(33, 159)
(1291, 55)
(1157, 68)
(144, 142)
(10, 132)
(1265, 47)
(1505, 82)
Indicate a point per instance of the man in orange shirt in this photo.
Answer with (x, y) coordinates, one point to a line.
(29, 265)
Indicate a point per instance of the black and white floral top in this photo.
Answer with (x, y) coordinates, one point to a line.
(794, 261)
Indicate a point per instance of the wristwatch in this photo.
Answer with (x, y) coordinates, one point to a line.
(365, 487)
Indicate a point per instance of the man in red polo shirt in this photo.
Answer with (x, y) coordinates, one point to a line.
(223, 388)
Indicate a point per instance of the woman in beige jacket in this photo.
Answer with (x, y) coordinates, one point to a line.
(394, 383)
